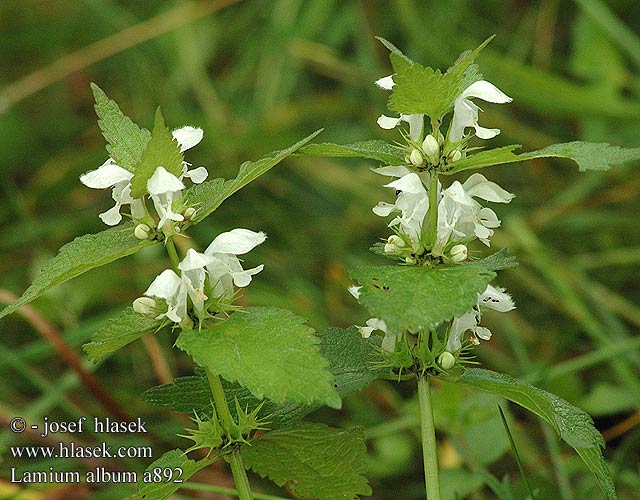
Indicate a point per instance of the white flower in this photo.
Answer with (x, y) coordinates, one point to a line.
(465, 111)
(386, 82)
(170, 287)
(355, 291)
(372, 325)
(164, 188)
(111, 175)
(224, 267)
(492, 298)
(193, 274)
(412, 203)
(461, 218)
(416, 123)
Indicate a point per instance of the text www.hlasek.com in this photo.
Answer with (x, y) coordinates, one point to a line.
(71, 450)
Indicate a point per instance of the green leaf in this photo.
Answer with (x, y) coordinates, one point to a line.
(486, 158)
(373, 150)
(423, 90)
(268, 350)
(178, 467)
(118, 332)
(573, 425)
(350, 357)
(312, 460)
(125, 139)
(497, 261)
(418, 298)
(208, 196)
(588, 156)
(78, 256)
(162, 150)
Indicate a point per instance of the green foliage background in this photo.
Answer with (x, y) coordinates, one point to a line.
(260, 75)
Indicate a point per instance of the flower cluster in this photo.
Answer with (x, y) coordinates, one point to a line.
(205, 278)
(164, 188)
(460, 217)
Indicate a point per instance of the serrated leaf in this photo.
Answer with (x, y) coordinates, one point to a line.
(78, 256)
(208, 196)
(312, 460)
(373, 150)
(573, 425)
(125, 139)
(588, 156)
(417, 298)
(268, 350)
(118, 332)
(498, 261)
(350, 357)
(423, 90)
(161, 150)
(177, 466)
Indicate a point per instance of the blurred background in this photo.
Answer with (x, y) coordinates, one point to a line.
(260, 75)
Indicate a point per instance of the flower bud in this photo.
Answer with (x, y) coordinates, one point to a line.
(431, 148)
(416, 158)
(455, 155)
(410, 260)
(458, 253)
(394, 243)
(142, 232)
(446, 360)
(189, 212)
(145, 306)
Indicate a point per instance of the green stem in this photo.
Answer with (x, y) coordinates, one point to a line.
(220, 400)
(173, 255)
(240, 475)
(429, 448)
(231, 430)
(432, 214)
(226, 491)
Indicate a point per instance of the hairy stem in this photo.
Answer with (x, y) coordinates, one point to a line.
(173, 254)
(429, 449)
(239, 475)
(432, 214)
(231, 430)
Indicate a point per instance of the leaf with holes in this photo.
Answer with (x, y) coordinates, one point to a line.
(418, 298)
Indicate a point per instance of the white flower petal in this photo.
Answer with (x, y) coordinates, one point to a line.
(107, 175)
(409, 183)
(194, 260)
(388, 122)
(497, 299)
(243, 278)
(112, 216)
(163, 182)
(482, 332)
(197, 175)
(486, 133)
(354, 290)
(416, 123)
(386, 82)
(487, 92)
(165, 285)
(477, 185)
(383, 209)
(187, 137)
(237, 241)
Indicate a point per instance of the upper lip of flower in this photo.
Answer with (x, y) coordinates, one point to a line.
(465, 111)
